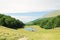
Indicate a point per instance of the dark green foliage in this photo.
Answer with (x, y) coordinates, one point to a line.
(48, 23)
(10, 22)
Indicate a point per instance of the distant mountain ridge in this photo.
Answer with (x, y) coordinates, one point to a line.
(52, 14)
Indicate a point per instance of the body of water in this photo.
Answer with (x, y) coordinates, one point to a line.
(29, 29)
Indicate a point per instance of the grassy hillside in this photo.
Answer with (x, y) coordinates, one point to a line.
(42, 34)
(8, 34)
(47, 23)
(39, 34)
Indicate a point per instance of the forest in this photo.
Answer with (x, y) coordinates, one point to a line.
(10, 22)
(47, 23)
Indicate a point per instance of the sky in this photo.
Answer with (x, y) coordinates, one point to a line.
(27, 10)
(27, 17)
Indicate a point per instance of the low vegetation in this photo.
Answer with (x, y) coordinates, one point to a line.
(8, 34)
(39, 34)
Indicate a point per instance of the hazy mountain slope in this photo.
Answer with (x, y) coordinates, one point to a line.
(52, 14)
(48, 22)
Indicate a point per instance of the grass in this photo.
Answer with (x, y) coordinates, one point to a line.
(42, 34)
(39, 34)
(8, 34)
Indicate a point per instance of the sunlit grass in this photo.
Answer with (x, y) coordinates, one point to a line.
(8, 34)
(39, 34)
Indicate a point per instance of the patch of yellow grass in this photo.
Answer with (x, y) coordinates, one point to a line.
(8, 34)
(41, 34)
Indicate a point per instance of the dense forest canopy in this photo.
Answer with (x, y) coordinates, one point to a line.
(10, 22)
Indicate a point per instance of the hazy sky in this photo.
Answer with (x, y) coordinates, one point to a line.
(28, 6)
(26, 17)
(12, 6)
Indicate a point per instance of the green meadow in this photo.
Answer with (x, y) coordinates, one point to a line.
(38, 34)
